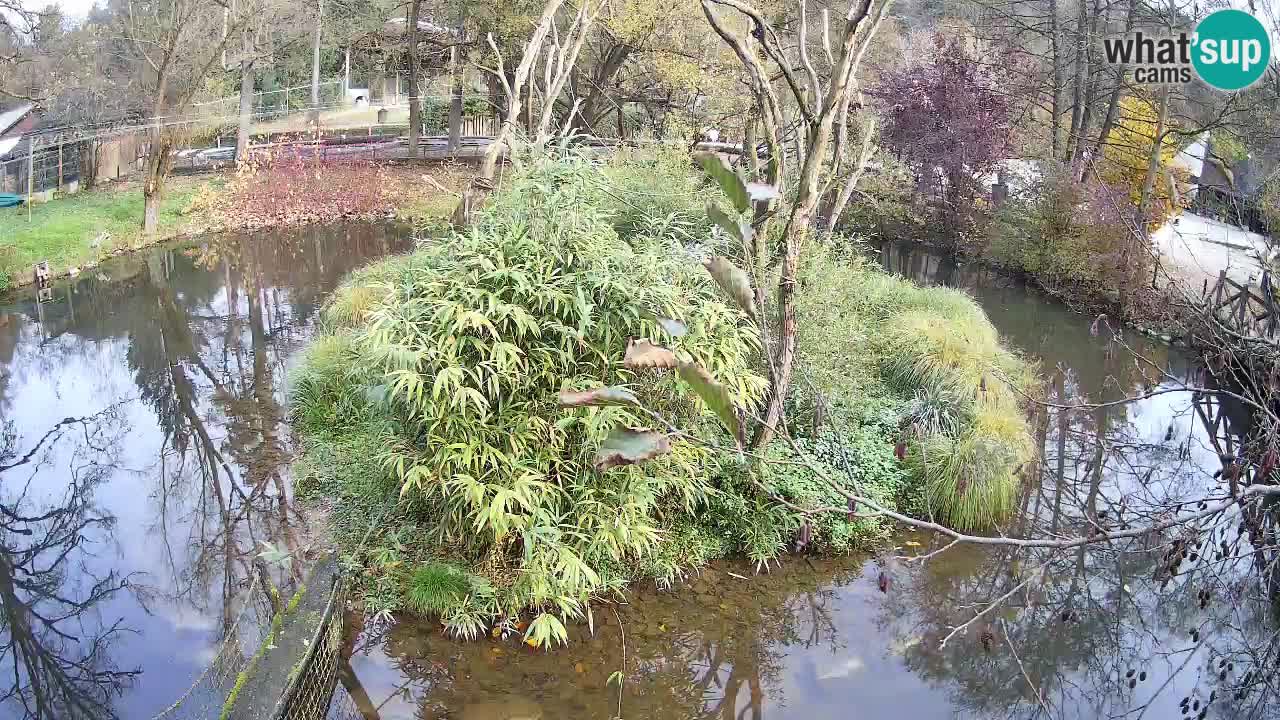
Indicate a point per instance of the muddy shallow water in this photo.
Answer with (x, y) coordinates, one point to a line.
(144, 407)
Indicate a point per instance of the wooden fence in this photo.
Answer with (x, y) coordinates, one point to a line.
(1248, 308)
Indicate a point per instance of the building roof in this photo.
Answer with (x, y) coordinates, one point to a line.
(1243, 177)
(1191, 157)
(12, 116)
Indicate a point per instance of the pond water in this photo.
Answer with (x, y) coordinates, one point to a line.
(144, 412)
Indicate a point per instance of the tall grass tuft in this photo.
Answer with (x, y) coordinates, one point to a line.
(971, 481)
(322, 386)
(436, 588)
(930, 358)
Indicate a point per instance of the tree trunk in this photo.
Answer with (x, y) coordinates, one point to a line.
(1055, 124)
(831, 216)
(596, 100)
(1092, 68)
(1081, 71)
(1113, 104)
(455, 104)
(1153, 160)
(1141, 232)
(157, 171)
(88, 164)
(481, 184)
(246, 109)
(415, 101)
(794, 234)
(315, 64)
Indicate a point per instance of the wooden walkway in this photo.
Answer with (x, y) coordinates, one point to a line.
(1247, 308)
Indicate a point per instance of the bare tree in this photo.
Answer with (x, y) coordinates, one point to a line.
(16, 25)
(270, 31)
(821, 100)
(315, 64)
(179, 42)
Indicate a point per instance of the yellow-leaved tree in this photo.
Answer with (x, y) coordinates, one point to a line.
(1127, 155)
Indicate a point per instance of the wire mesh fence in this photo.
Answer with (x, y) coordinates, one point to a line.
(46, 168)
(272, 104)
(232, 659)
(276, 663)
(347, 705)
(311, 685)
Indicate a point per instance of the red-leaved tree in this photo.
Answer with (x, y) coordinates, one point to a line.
(946, 119)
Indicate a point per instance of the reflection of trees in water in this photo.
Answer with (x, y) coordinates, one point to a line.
(55, 649)
(209, 340)
(1114, 630)
(208, 334)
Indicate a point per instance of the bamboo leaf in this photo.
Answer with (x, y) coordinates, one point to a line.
(727, 179)
(734, 281)
(598, 396)
(715, 395)
(628, 446)
(644, 354)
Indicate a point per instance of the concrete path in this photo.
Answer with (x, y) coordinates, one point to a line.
(1195, 250)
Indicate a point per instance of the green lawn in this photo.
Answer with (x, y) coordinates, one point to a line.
(63, 231)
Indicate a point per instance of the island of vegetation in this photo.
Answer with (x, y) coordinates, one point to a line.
(450, 425)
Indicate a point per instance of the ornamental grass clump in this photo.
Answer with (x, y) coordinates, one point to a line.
(930, 358)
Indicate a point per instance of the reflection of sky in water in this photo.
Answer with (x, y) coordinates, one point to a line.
(157, 325)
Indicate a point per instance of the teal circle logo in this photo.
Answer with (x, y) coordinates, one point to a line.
(1232, 50)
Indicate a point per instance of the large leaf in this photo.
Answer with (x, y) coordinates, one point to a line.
(735, 281)
(674, 328)
(598, 396)
(644, 354)
(727, 179)
(736, 227)
(273, 555)
(628, 446)
(715, 395)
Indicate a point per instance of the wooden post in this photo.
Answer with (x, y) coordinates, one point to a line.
(31, 175)
(1217, 292)
(59, 166)
(1268, 303)
(1243, 305)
